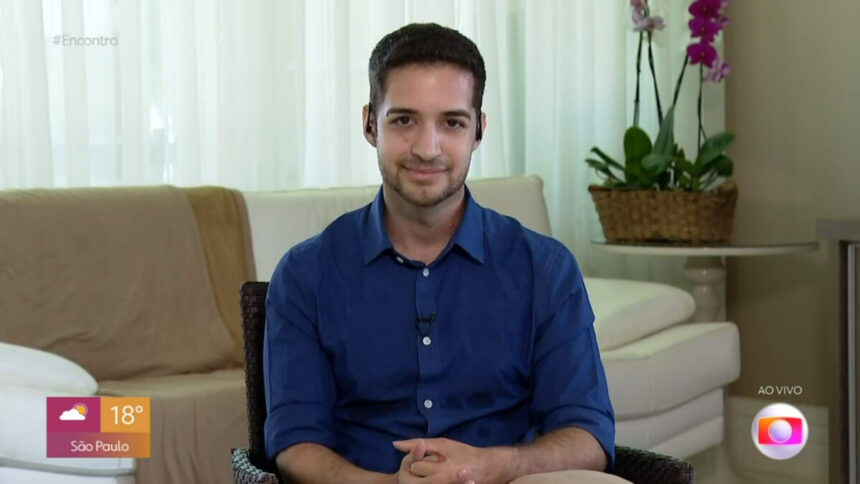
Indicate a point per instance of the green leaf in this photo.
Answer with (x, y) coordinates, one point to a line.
(686, 166)
(606, 158)
(636, 143)
(713, 147)
(656, 164)
(636, 176)
(665, 142)
(603, 168)
(723, 166)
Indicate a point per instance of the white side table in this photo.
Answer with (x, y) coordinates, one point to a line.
(705, 268)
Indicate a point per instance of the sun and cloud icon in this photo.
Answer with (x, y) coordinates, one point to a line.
(77, 412)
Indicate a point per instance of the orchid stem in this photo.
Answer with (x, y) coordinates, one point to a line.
(680, 79)
(638, 72)
(701, 129)
(654, 79)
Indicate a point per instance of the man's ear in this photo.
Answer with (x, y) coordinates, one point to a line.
(483, 122)
(369, 124)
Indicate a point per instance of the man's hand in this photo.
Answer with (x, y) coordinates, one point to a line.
(449, 459)
(416, 454)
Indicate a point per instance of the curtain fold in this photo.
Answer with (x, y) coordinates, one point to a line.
(268, 95)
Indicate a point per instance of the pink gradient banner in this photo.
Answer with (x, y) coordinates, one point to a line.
(96, 444)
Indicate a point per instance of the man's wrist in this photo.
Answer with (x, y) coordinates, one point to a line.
(505, 463)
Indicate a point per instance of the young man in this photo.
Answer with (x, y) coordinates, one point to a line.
(424, 338)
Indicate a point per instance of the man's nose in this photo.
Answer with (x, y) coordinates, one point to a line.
(427, 145)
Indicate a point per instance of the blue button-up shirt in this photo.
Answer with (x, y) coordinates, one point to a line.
(490, 342)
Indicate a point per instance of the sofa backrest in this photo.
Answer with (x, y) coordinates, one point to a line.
(114, 279)
(281, 219)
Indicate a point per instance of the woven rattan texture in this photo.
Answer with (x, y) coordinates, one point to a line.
(665, 215)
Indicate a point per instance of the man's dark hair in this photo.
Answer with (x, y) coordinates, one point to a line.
(425, 44)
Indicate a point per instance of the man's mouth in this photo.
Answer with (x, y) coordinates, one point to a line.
(425, 169)
(424, 172)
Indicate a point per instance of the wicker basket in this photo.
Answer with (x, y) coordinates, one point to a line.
(666, 216)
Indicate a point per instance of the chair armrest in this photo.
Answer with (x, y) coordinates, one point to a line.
(644, 467)
(21, 366)
(244, 472)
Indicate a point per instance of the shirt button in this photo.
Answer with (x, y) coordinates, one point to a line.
(428, 403)
(426, 341)
(425, 272)
(400, 259)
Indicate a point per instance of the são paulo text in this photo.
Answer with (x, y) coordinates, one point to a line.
(99, 446)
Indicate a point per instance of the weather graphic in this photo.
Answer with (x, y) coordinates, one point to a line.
(77, 412)
(97, 426)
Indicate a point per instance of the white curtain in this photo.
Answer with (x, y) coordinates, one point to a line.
(267, 94)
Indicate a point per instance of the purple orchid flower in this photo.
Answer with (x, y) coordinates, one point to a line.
(639, 4)
(642, 23)
(702, 52)
(707, 8)
(718, 72)
(704, 28)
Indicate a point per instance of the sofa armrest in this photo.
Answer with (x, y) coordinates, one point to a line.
(244, 472)
(21, 366)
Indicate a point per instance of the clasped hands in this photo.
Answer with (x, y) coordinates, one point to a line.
(445, 461)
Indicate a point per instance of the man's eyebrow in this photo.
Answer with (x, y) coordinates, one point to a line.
(455, 112)
(398, 111)
(459, 113)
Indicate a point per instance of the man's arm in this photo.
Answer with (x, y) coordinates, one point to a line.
(314, 463)
(563, 449)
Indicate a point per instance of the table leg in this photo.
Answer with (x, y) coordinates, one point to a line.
(707, 275)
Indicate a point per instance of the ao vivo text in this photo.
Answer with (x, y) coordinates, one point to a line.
(780, 390)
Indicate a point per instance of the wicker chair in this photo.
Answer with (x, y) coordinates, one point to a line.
(250, 466)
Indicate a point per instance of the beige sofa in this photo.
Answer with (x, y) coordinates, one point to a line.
(133, 291)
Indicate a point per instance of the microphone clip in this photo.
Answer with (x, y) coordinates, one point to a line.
(428, 321)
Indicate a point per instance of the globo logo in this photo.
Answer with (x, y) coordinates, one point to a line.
(780, 431)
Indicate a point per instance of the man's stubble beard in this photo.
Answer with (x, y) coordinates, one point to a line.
(402, 188)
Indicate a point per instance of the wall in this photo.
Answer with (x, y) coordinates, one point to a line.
(793, 100)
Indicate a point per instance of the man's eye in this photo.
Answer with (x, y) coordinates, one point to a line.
(402, 120)
(455, 124)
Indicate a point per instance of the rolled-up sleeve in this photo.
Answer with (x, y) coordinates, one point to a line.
(300, 389)
(569, 382)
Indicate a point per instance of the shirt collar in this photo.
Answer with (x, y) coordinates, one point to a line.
(376, 238)
(469, 235)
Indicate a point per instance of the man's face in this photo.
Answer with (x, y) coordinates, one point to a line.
(425, 132)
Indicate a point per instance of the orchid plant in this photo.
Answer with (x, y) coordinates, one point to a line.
(663, 165)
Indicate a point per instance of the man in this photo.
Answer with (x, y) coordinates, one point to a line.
(424, 338)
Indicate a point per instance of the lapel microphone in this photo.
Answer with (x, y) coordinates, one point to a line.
(420, 322)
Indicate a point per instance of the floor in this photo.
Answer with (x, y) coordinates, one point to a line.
(736, 460)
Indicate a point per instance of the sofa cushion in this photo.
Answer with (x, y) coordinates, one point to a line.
(282, 219)
(625, 310)
(111, 278)
(196, 419)
(673, 366)
(27, 367)
(665, 427)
